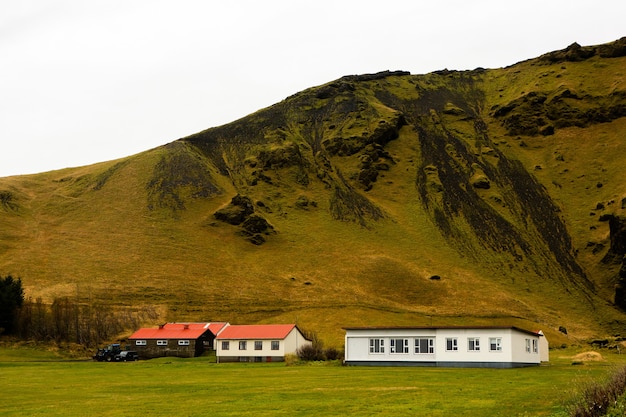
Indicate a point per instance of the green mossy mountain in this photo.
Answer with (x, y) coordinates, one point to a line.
(337, 207)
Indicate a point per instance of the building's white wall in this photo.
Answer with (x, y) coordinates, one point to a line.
(520, 354)
(250, 350)
(290, 344)
(357, 345)
(512, 343)
(483, 355)
(294, 341)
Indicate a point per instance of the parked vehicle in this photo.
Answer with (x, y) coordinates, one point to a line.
(114, 353)
(127, 355)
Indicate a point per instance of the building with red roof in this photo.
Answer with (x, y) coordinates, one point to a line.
(175, 339)
(258, 343)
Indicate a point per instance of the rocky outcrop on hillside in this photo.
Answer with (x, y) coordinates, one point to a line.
(576, 53)
(540, 113)
(240, 212)
(239, 209)
(617, 255)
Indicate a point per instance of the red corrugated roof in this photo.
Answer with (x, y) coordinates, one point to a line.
(216, 327)
(177, 331)
(256, 331)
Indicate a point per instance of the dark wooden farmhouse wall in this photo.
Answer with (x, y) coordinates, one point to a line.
(156, 348)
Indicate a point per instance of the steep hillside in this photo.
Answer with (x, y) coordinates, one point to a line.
(484, 196)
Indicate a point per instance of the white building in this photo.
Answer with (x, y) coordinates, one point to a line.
(258, 343)
(479, 346)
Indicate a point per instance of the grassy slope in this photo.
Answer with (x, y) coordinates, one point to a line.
(580, 167)
(90, 231)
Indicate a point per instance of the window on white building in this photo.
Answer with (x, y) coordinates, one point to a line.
(243, 345)
(495, 344)
(275, 345)
(527, 345)
(473, 344)
(535, 346)
(258, 345)
(161, 342)
(225, 345)
(399, 345)
(377, 345)
(425, 345)
(452, 344)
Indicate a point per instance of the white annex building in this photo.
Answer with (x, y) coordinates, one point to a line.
(258, 343)
(480, 346)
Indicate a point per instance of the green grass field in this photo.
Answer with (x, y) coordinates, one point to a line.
(34, 382)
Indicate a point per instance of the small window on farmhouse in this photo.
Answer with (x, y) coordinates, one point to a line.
(140, 342)
(473, 344)
(425, 345)
(535, 346)
(183, 342)
(495, 344)
(452, 344)
(258, 345)
(399, 345)
(275, 344)
(243, 345)
(527, 345)
(161, 342)
(225, 345)
(377, 345)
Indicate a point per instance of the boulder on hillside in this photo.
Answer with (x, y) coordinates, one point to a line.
(237, 211)
(240, 212)
(256, 224)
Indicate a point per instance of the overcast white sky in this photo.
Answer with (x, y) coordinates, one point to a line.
(85, 81)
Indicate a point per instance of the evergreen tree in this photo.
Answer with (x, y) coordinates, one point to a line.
(11, 299)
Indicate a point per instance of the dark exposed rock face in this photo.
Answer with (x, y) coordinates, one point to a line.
(280, 157)
(536, 114)
(373, 160)
(383, 133)
(376, 76)
(613, 49)
(237, 211)
(572, 53)
(577, 53)
(617, 229)
(617, 254)
(240, 211)
(256, 224)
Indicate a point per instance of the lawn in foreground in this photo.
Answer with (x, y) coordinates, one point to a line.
(170, 386)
